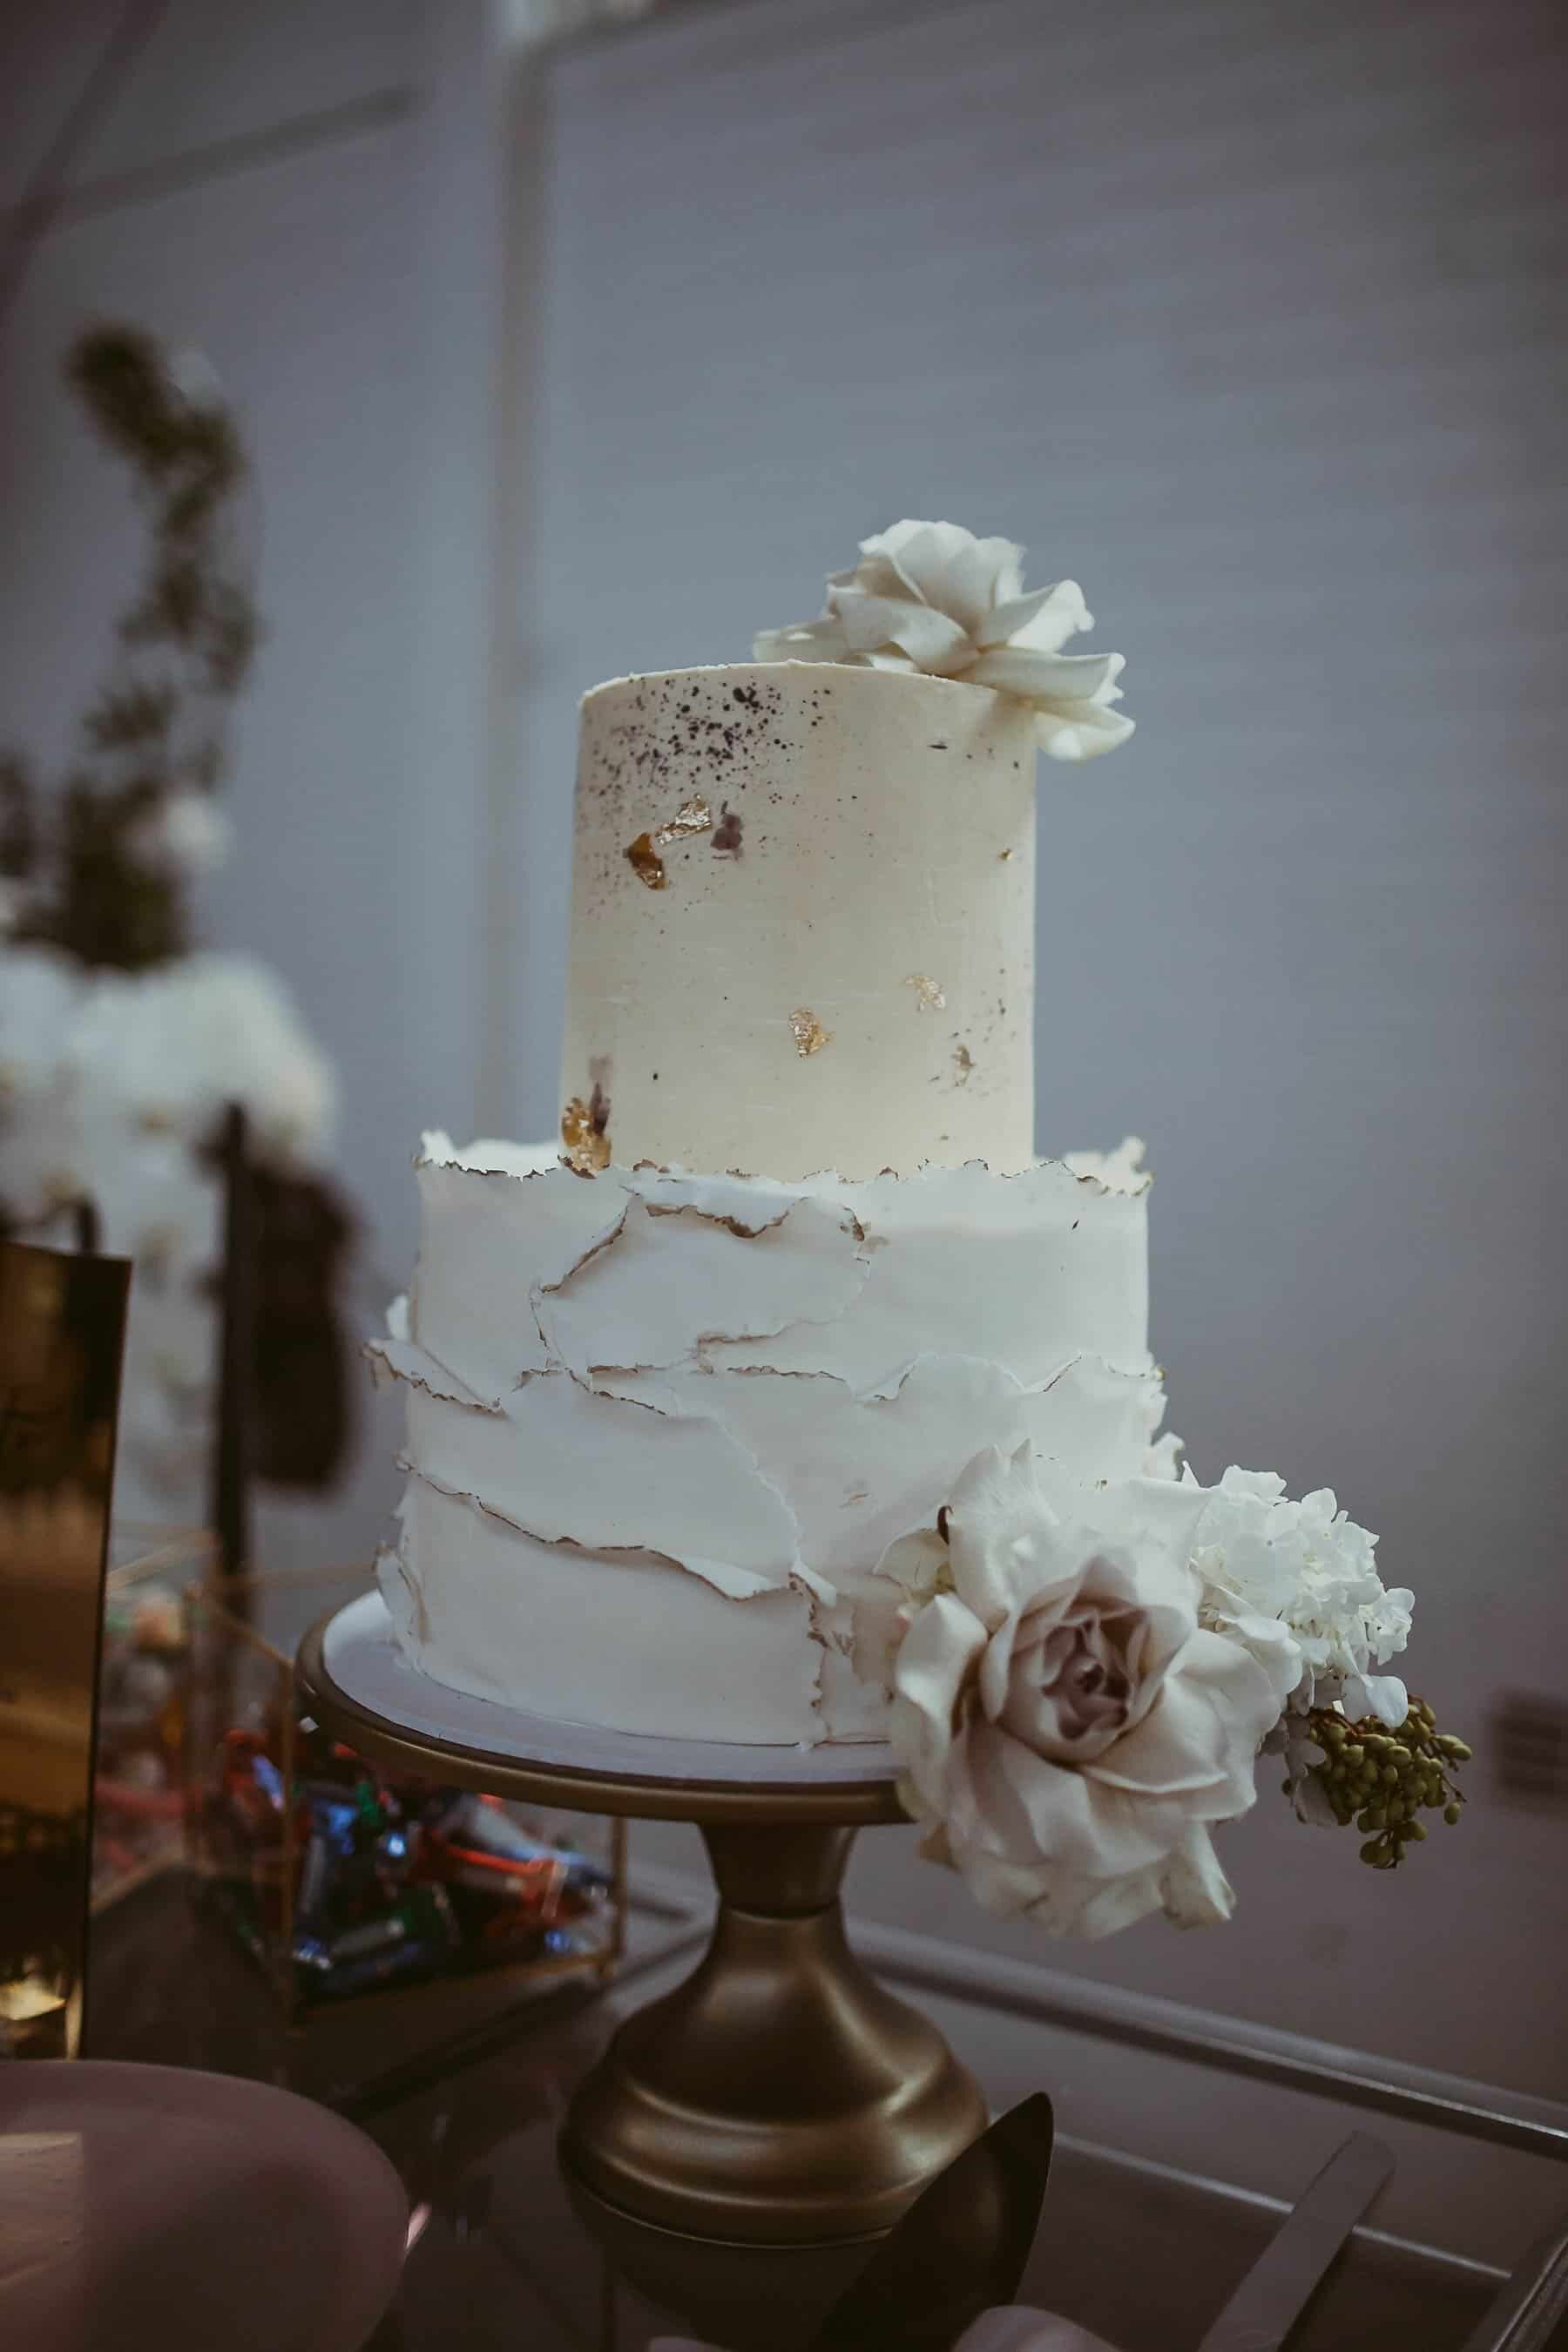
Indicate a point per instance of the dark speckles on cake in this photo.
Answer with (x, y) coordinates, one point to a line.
(672, 743)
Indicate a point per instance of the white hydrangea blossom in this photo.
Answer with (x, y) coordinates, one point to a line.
(1310, 1566)
(931, 596)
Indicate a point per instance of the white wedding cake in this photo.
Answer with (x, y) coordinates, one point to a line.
(674, 1383)
(786, 1399)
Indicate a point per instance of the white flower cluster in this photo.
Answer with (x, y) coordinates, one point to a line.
(1081, 1683)
(95, 1067)
(1306, 1564)
(931, 596)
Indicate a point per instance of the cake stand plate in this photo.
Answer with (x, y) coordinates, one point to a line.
(779, 2096)
(407, 1719)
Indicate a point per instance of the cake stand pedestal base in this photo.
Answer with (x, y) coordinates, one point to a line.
(779, 2098)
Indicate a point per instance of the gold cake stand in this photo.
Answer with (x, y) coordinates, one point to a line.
(779, 2098)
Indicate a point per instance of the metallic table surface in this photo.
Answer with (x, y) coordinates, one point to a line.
(1143, 2255)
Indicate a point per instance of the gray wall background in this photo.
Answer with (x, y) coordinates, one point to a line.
(307, 197)
(1247, 315)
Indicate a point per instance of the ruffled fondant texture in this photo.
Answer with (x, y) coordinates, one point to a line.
(671, 1417)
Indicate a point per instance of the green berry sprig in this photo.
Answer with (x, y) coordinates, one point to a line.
(1382, 1780)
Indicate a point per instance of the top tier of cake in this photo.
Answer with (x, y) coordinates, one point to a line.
(802, 923)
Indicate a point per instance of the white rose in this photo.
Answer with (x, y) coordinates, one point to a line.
(931, 596)
(1068, 1732)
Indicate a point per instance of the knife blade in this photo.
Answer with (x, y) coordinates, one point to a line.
(1277, 2289)
(962, 2247)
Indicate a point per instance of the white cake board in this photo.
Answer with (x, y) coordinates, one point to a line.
(361, 1655)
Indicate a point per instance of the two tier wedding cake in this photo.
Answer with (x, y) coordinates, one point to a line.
(787, 1398)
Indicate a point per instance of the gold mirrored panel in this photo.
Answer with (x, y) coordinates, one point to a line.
(62, 1330)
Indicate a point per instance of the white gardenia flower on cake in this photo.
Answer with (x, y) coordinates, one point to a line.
(1067, 1730)
(931, 596)
(1310, 1567)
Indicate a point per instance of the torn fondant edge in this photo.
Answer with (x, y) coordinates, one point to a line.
(650, 1295)
(505, 1258)
(1118, 1171)
(451, 1439)
(524, 1620)
(733, 1583)
(1111, 1416)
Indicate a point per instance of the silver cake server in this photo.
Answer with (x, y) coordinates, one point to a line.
(1277, 2288)
(961, 2248)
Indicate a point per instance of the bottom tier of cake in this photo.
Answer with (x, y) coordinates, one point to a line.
(661, 1428)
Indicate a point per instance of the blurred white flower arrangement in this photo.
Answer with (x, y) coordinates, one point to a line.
(121, 1044)
(111, 1081)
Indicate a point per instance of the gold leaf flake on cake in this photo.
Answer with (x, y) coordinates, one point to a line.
(929, 997)
(586, 1132)
(692, 816)
(807, 1031)
(642, 854)
(645, 862)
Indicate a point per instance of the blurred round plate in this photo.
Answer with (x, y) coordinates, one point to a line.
(144, 2205)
